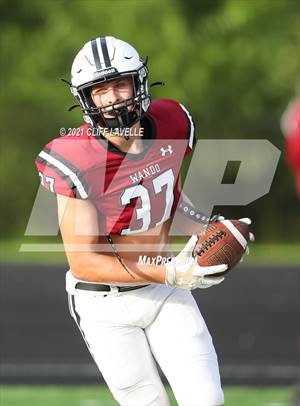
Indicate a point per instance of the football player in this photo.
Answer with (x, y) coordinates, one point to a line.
(117, 181)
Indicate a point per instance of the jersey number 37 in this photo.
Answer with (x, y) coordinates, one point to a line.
(143, 213)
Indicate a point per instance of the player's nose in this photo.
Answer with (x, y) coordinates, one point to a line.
(112, 95)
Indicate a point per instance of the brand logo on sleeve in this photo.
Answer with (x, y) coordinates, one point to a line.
(164, 151)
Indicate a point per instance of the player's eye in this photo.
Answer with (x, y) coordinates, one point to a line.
(99, 92)
(123, 83)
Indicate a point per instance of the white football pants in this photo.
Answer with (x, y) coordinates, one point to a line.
(126, 332)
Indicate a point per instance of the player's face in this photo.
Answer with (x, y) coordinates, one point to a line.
(106, 94)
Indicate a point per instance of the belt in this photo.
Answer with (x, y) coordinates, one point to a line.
(96, 287)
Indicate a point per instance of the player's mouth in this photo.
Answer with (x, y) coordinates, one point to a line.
(113, 111)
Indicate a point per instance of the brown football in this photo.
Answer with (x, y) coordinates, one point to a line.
(224, 242)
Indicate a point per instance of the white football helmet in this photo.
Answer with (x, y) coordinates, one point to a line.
(101, 60)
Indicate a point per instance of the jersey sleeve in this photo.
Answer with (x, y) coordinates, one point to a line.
(58, 175)
(189, 130)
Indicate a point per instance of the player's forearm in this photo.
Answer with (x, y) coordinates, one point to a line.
(188, 219)
(94, 267)
(187, 226)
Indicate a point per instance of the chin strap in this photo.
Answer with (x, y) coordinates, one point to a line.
(66, 81)
(73, 107)
(157, 84)
(70, 84)
(123, 120)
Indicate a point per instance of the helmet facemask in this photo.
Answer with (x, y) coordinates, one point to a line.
(125, 113)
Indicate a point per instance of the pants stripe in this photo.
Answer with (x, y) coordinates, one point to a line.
(76, 317)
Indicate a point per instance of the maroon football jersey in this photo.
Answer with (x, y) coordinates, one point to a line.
(132, 192)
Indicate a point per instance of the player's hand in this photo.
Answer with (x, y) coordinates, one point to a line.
(184, 272)
(247, 221)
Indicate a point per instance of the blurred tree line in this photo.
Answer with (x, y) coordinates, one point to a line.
(232, 63)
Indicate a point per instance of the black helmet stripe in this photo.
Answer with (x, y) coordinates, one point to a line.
(105, 52)
(96, 54)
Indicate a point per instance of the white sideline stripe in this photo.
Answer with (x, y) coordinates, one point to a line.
(191, 139)
(241, 239)
(66, 171)
(15, 370)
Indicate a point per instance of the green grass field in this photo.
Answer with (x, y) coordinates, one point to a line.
(100, 396)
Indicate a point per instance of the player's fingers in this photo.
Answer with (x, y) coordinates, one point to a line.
(247, 250)
(202, 286)
(189, 246)
(211, 281)
(215, 280)
(251, 237)
(209, 270)
(246, 220)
